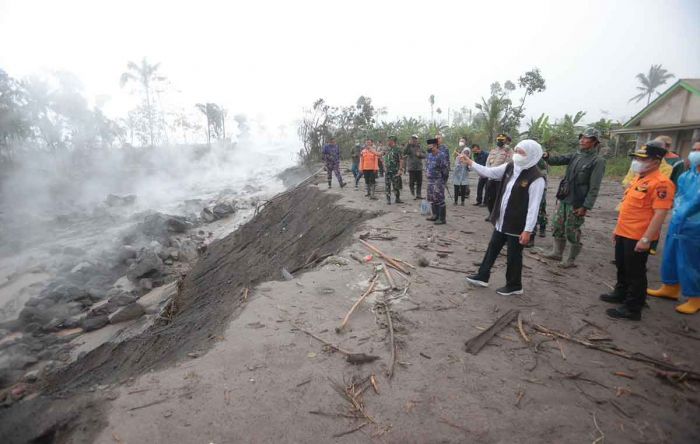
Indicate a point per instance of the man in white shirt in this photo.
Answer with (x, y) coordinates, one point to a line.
(514, 213)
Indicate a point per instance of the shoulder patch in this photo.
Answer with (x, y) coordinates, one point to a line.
(661, 192)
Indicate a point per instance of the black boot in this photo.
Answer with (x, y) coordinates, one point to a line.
(542, 230)
(398, 197)
(434, 217)
(624, 313)
(329, 183)
(617, 296)
(388, 199)
(442, 212)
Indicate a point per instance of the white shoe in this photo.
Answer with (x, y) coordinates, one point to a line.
(476, 282)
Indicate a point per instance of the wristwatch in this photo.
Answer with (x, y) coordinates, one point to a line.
(644, 240)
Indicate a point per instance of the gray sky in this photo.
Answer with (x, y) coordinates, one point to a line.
(272, 58)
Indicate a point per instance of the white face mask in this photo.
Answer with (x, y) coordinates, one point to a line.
(462, 144)
(640, 167)
(519, 159)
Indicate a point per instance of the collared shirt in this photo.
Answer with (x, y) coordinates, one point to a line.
(331, 153)
(653, 191)
(414, 157)
(499, 156)
(534, 194)
(481, 157)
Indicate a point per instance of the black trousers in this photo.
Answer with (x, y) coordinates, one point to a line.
(480, 189)
(631, 272)
(461, 191)
(491, 193)
(514, 267)
(370, 176)
(415, 182)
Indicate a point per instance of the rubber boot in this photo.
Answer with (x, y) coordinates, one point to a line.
(692, 306)
(442, 212)
(573, 252)
(434, 217)
(372, 189)
(398, 197)
(557, 249)
(367, 187)
(329, 183)
(388, 199)
(543, 229)
(672, 291)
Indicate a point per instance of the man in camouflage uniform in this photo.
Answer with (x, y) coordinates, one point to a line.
(438, 170)
(331, 157)
(393, 168)
(577, 194)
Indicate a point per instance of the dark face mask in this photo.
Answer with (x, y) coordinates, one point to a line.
(500, 144)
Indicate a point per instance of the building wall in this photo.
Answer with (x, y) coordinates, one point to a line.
(669, 112)
(692, 112)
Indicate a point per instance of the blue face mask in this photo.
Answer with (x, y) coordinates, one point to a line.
(694, 158)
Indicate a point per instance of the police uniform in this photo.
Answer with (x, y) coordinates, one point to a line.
(331, 157)
(438, 170)
(647, 193)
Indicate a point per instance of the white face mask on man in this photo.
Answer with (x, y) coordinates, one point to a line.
(640, 166)
(462, 143)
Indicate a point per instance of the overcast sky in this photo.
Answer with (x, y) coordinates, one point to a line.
(272, 58)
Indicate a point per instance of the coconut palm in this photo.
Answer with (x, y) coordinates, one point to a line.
(146, 75)
(657, 76)
(431, 100)
(214, 116)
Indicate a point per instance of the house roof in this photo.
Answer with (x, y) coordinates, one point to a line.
(692, 85)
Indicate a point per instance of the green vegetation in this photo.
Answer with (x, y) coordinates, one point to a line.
(651, 82)
(494, 114)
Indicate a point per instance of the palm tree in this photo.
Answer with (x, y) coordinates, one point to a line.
(657, 76)
(431, 100)
(214, 116)
(146, 75)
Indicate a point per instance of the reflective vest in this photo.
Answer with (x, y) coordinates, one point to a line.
(369, 161)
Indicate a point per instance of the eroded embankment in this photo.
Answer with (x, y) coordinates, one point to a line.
(288, 231)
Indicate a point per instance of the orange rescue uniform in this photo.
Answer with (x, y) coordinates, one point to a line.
(645, 194)
(369, 161)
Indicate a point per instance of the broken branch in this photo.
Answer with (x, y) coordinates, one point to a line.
(356, 304)
(475, 344)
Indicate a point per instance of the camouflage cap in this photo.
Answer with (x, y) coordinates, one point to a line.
(590, 132)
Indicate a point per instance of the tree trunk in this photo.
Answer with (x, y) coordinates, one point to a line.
(150, 112)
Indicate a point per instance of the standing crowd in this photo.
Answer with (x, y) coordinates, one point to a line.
(512, 185)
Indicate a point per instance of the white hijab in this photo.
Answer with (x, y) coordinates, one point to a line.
(533, 154)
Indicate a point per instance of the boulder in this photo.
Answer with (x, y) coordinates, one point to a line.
(207, 215)
(146, 284)
(188, 250)
(122, 299)
(127, 313)
(158, 225)
(95, 323)
(222, 210)
(148, 264)
(102, 308)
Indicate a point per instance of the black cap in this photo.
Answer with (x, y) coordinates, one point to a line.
(432, 141)
(652, 150)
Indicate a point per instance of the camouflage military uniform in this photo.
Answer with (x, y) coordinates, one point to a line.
(392, 178)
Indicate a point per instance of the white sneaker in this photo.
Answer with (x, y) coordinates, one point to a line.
(476, 282)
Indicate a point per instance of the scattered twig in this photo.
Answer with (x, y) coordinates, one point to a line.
(338, 435)
(453, 425)
(440, 267)
(390, 326)
(339, 415)
(424, 355)
(356, 304)
(522, 330)
(398, 271)
(519, 397)
(386, 257)
(304, 382)
(387, 273)
(623, 375)
(351, 357)
(475, 344)
(601, 437)
(633, 356)
(160, 401)
(375, 384)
